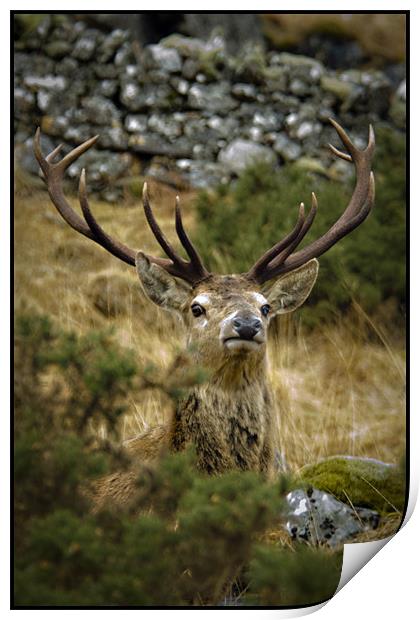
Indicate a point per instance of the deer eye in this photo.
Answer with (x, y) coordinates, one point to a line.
(265, 309)
(197, 310)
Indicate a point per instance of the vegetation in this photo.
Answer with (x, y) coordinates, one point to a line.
(236, 226)
(363, 483)
(186, 540)
(339, 389)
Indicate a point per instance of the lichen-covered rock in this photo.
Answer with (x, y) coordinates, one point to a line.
(46, 82)
(58, 49)
(361, 481)
(240, 154)
(24, 101)
(212, 97)
(286, 148)
(100, 110)
(317, 517)
(160, 57)
(103, 167)
(140, 98)
(110, 44)
(244, 92)
(86, 44)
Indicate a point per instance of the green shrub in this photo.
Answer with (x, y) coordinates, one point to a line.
(237, 225)
(185, 539)
(305, 576)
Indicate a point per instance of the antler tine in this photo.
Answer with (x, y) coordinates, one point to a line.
(193, 271)
(116, 248)
(274, 251)
(156, 230)
(186, 242)
(357, 210)
(49, 158)
(53, 175)
(279, 260)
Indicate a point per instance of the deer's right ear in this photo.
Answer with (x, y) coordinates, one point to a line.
(162, 288)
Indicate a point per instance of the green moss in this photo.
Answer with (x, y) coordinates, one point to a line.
(361, 482)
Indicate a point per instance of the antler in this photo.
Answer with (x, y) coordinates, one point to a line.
(280, 259)
(192, 271)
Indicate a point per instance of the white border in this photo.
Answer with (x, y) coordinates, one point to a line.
(386, 585)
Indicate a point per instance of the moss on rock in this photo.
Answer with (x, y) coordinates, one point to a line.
(359, 481)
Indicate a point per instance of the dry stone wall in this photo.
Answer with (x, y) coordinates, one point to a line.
(185, 109)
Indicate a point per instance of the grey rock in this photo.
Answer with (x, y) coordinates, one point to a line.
(202, 174)
(307, 129)
(24, 101)
(57, 125)
(99, 110)
(398, 112)
(244, 92)
(43, 29)
(285, 103)
(21, 63)
(256, 134)
(111, 43)
(154, 144)
(86, 45)
(24, 153)
(46, 82)
(58, 49)
(165, 126)
(286, 148)
(268, 120)
(190, 68)
(107, 88)
(276, 78)
(225, 127)
(136, 123)
(78, 133)
(102, 167)
(124, 55)
(401, 91)
(138, 99)
(68, 67)
(161, 57)
(299, 87)
(340, 88)
(211, 97)
(319, 518)
(191, 47)
(295, 61)
(240, 154)
(44, 100)
(114, 138)
(181, 86)
(105, 72)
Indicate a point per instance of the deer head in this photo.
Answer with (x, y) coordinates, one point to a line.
(226, 316)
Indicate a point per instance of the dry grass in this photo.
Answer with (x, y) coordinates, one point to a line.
(339, 390)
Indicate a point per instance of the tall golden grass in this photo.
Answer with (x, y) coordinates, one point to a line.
(339, 389)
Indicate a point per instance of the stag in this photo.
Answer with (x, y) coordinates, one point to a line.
(229, 419)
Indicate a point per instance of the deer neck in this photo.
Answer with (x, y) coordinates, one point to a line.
(228, 419)
(240, 373)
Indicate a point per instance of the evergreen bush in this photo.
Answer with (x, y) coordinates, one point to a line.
(187, 537)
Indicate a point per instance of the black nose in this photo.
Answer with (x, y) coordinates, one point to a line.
(246, 328)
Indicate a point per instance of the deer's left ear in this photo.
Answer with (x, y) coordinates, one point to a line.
(290, 291)
(162, 288)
